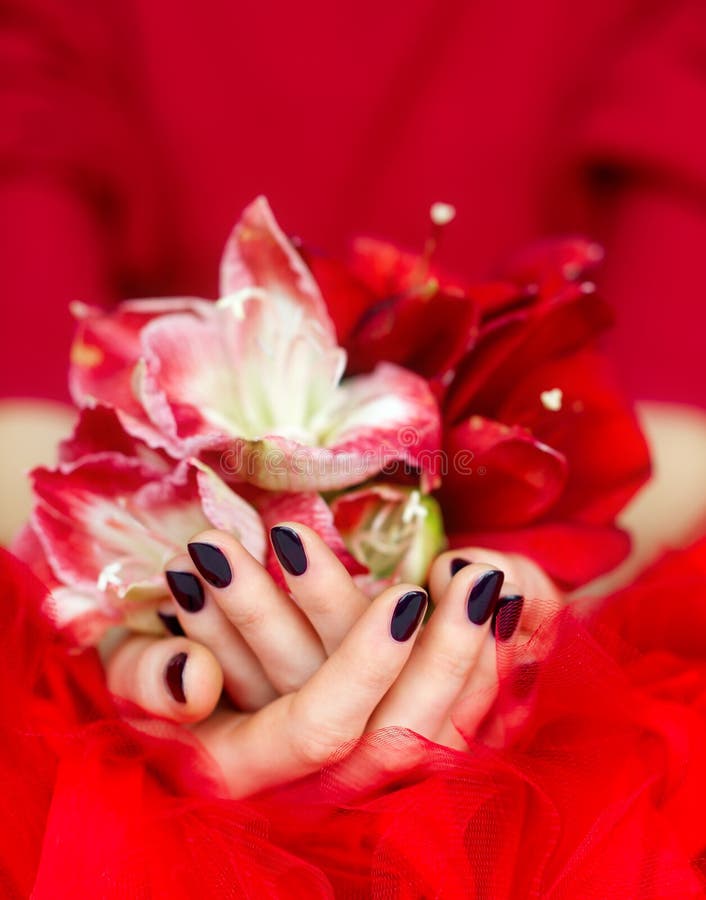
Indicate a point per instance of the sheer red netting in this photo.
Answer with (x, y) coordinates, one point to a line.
(588, 779)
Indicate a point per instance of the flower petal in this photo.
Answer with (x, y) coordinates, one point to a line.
(108, 523)
(100, 523)
(229, 512)
(574, 405)
(428, 331)
(107, 346)
(26, 546)
(391, 414)
(258, 254)
(388, 270)
(498, 476)
(255, 364)
(509, 347)
(379, 419)
(396, 531)
(79, 611)
(550, 264)
(346, 296)
(100, 430)
(571, 553)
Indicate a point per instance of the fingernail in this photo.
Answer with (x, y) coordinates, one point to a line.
(172, 624)
(506, 616)
(408, 614)
(524, 678)
(289, 549)
(457, 564)
(186, 589)
(175, 677)
(484, 595)
(211, 563)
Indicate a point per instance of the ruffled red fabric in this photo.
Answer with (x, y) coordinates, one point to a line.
(595, 790)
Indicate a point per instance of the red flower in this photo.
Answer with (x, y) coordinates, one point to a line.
(541, 451)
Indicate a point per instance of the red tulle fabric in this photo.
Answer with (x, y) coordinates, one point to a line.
(596, 789)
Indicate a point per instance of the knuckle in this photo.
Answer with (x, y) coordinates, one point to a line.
(448, 664)
(311, 740)
(372, 679)
(246, 618)
(319, 602)
(288, 682)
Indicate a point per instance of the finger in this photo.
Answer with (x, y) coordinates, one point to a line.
(202, 619)
(445, 655)
(474, 701)
(174, 678)
(319, 582)
(296, 734)
(481, 687)
(275, 629)
(534, 584)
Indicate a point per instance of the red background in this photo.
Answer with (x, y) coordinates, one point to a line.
(132, 134)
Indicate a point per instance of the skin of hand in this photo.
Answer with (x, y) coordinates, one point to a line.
(668, 512)
(29, 433)
(309, 669)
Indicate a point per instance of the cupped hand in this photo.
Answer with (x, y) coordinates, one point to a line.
(311, 668)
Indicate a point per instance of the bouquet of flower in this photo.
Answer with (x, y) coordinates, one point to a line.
(383, 403)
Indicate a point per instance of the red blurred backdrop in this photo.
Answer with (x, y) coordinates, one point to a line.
(132, 134)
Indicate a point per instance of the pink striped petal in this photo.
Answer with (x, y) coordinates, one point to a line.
(100, 430)
(225, 510)
(253, 365)
(258, 254)
(390, 415)
(377, 420)
(108, 523)
(106, 352)
(107, 347)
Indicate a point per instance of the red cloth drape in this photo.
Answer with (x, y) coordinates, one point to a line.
(596, 791)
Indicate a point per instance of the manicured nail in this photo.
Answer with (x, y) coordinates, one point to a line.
(175, 677)
(211, 563)
(457, 564)
(484, 595)
(172, 624)
(506, 616)
(408, 614)
(289, 549)
(186, 589)
(524, 678)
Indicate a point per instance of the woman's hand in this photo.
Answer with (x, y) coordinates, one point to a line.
(308, 674)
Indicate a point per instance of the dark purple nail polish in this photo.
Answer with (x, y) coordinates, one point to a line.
(524, 678)
(506, 616)
(457, 564)
(172, 624)
(408, 614)
(484, 595)
(186, 589)
(289, 549)
(211, 563)
(175, 677)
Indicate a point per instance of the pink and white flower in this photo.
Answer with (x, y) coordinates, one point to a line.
(107, 523)
(255, 376)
